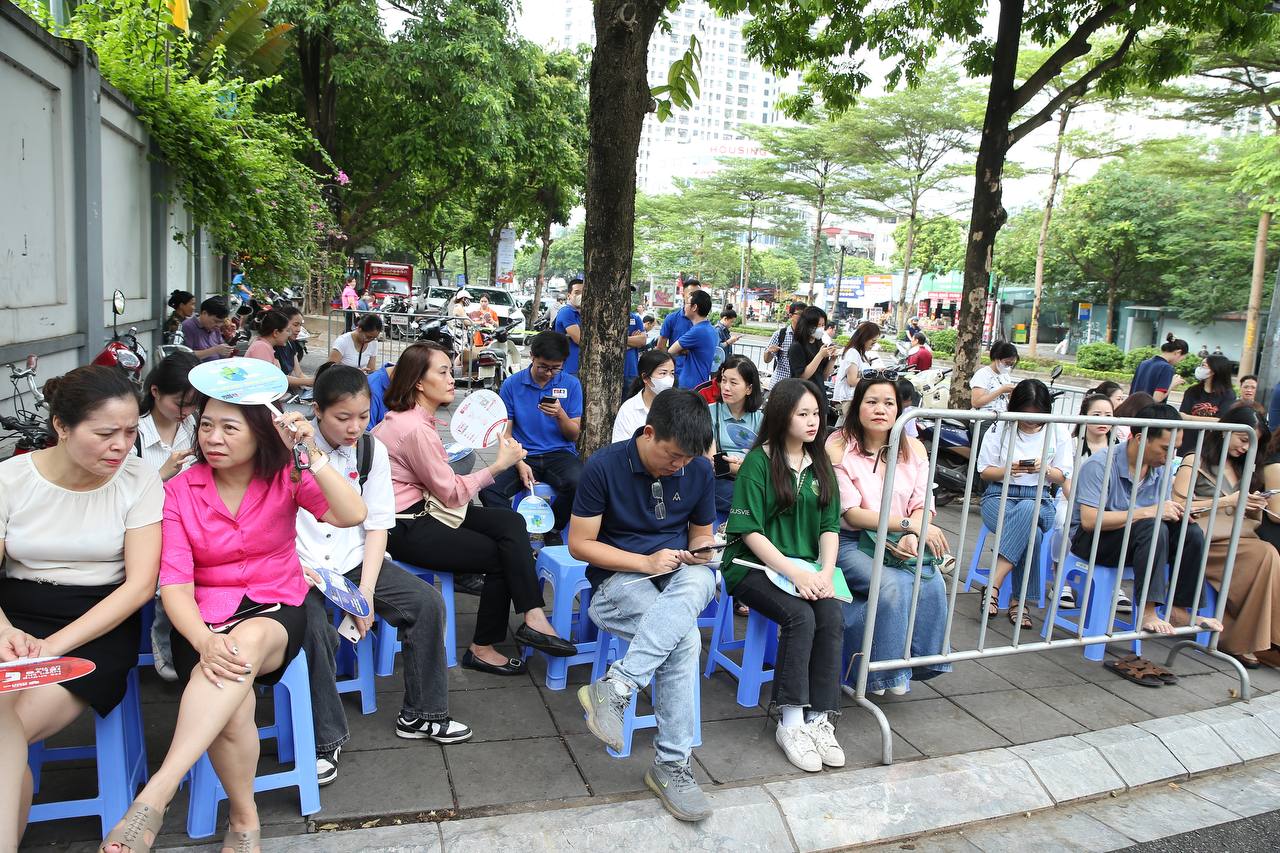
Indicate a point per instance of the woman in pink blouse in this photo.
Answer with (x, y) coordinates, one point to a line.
(437, 528)
(233, 587)
(859, 452)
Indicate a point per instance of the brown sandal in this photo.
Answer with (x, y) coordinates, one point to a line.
(131, 831)
(1152, 668)
(238, 841)
(1134, 669)
(1013, 617)
(992, 608)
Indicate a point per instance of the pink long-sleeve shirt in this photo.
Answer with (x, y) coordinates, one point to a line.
(419, 463)
(227, 556)
(861, 480)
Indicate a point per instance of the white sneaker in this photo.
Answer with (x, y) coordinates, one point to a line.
(1125, 604)
(900, 689)
(1067, 598)
(798, 746)
(823, 734)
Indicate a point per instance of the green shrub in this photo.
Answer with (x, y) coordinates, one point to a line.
(1100, 356)
(886, 346)
(1187, 367)
(1136, 356)
(943, 342)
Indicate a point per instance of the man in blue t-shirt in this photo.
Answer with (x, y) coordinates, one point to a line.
(635, 342)
(569, 323)
(677, 322)
(698, 345)
(644, 510)
(544, 407)
(1156, 375)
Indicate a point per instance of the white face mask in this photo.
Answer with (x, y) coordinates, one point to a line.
(1203, 373)
(576, 300)
(1004, 369)
(817, 334)
(662, 383)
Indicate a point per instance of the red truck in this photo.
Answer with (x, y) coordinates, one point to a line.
(383, 280)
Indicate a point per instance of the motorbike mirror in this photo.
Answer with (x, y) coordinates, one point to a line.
(117, 303)
(32, 360)
(1056, 372)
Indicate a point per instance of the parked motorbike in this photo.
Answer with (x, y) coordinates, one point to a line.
(28, 427)
(498, 358)
(123, 351)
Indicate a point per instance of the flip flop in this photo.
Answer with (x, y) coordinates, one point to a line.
(1135, 671)
(1153, 668)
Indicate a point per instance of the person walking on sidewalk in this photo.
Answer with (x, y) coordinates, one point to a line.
(643, 512)
(411, 605)
(786, 510)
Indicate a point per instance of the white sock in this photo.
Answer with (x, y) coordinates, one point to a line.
(792, 716)
(619, 686)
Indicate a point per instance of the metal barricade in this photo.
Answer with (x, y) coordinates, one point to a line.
(1168, 510)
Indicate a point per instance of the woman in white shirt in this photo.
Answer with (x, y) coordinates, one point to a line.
(80, 547)
(657, 373)
(358, 348)
(859, 355)
(990, 387)
(1021, 447)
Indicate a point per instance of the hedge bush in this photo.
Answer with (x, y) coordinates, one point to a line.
(943, 342)
(1100, 356)
(1134, 357)
(1187, 367)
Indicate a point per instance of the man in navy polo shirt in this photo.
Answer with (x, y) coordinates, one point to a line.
(698, 345)
(569, 323)
(644, 510)
(544, 407)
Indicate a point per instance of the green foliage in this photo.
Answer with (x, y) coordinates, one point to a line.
(1187, 367)
(234, 166)
(1100, 356)
(1137, 355)
(943, 342)
(939, 246)
(681, 88)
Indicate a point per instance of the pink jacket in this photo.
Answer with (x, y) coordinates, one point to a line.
(419, 463)
(861, 480)
(227, 557)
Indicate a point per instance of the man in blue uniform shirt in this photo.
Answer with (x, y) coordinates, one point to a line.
(698, 345)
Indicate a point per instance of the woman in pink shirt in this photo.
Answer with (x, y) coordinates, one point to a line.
(233, 587)
(437, 528)
(273, 331)
(859, 452)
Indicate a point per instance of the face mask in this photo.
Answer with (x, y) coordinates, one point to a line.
(662, 383)
(817, 334)
(576, 300)
(1004, 369)
(1203, 373)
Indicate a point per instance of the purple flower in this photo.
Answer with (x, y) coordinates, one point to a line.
(342, 178)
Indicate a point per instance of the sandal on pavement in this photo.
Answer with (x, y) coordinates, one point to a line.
(246, 841)
(992, 608)
(1135, 671)
(132, 829)
(1248, 661)
(1013, 617)
(1153, 668)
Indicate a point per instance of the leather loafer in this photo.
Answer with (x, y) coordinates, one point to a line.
(513, 666)
(545, 643)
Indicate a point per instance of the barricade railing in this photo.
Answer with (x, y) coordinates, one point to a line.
(399, 330)
(1177, 527)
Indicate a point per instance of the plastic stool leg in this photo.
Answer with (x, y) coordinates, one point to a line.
(1097, 609)
(295, 682)
(385, 648)
(202, 810)
(450, 619)
(751, 679)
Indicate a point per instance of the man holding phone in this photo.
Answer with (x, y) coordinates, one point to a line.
(544, 411)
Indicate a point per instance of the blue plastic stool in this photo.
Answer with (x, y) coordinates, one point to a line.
(759, 646)
(120, 755)
(294, 733)
(710, 615)
(568, 579)
(148, 614)
(388, 642)
(1208, 607)
(1092, 606)
(609, 649)
(980, 574)
(355, 662)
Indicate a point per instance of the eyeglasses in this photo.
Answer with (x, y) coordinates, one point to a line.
(660, 511)
(890, 373)
(543, 367)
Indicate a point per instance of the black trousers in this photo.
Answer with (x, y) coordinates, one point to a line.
(807, 672)
(1144, 536)
(559, 469)
(492, 542)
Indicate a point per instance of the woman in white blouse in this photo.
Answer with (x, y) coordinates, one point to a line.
(859, 355)
(80, 545)
(657, 373)
(990, 386)
(1021, 447)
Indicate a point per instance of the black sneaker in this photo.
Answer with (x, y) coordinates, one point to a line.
(327, 766)
(440, 731)
(468, 584)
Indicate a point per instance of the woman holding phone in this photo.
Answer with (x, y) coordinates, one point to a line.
(736, 418)
(233, 588)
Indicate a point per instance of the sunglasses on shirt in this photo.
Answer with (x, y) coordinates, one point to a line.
(659, 511)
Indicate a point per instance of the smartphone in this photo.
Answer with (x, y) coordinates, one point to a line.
(708, 549)
(1026, 463)
(546, 400)
(247, 613)
(1196, 513)
(347, 629)
(720, 463)
(1270, 493)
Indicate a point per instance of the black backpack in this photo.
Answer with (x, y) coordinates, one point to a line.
(364, 458)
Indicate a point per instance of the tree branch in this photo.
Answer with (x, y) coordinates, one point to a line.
(1073, 48)
(1075, 90)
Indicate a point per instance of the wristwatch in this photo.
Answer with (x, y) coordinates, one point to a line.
(905, 524)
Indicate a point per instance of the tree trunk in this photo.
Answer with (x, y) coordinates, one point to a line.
(542, 274)
(1033, 336)
(988, 213)
(1249, 355)
(900, 314)
(466, 267)
(495, 237)
(1112, 288)
(817, 244)
(619, 99)
(746, 262)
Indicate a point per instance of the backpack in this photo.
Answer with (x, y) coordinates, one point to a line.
(364, 458)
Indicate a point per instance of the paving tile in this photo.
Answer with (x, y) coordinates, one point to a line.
(566, 712)
(408, 782)
(720, 698)
(937, 727)
(946, 842)
(1158, 814)
(506, 713)
(1216, 687)
(1069, 768)
(496, 773)
(1069, 830)
(969, 677)
(860, 739)
(827, 811)
(1244, 732)
(918, 690)
(1018, 717)
(608, 775)
(409, 838)
(1029, 671)
(1193, 742)
(734, 750)
(743, 819)
(1249, 791)
(1090, 705)
(1156, 701)
(1138, 756)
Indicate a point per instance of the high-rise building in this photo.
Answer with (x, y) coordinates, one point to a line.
(736, 90)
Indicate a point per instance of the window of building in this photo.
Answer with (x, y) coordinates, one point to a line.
(742, 114)
(742, 102)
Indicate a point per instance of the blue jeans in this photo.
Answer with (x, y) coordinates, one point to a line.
(889, 640)
(1021, 513)
(662, 628)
